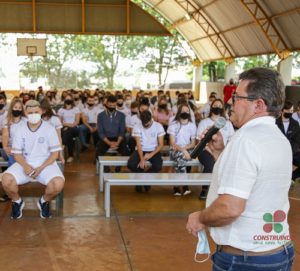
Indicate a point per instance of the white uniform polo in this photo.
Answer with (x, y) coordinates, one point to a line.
(256, 165)
(68, 115)
(92, 114)
(149, 136)
(183, 133)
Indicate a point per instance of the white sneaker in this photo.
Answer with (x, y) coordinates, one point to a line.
(70, 159)
(187, 192)
(177, 194)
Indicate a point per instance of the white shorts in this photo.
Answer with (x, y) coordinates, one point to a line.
(44, 177)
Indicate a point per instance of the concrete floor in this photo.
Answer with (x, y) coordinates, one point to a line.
(146, 231)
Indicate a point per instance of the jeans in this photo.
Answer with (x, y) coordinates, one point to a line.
(278, 261)
(84, 132)
(9, 158)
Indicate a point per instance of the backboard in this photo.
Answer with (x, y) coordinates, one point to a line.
(31, 47)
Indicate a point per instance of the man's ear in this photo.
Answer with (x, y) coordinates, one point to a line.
(260, 106)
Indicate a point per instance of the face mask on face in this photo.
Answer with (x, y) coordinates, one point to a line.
(120, 104)
(68, 102)
(184, 115)
(287, 115)
(217, 110)
(202, 247)
(16, 113)
(163, 106)
(2, 106)
(90, 105)
(133, 113)
(34, 118)
(110, 109)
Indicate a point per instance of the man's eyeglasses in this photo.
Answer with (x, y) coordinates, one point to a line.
(235, 97)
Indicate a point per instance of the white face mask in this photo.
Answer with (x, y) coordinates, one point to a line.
(34, 118)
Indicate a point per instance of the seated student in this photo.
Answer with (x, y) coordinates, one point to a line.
(36, 148)
(182, 140)
(70, 117)
(3, 115)
(111, 129)
(134, 108)
(89, 120)
(205, 109)
(205, 158)
(144, 105)
(290, 128)
(149, 141)
(121, 107)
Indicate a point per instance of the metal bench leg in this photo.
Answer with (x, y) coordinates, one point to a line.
(107, 200)
(97, 166)
(101, 177)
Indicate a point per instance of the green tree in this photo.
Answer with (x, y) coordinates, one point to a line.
(214, 70)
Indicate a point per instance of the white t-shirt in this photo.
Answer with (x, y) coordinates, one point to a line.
(36, 146)
(134, 121)
(227, 131)
(55, 122)
(183, 133)
(68, 115)
(256, 165)
(286, 126)
(149, 136)
(125, 110)
(205, 109)
(92, 114)
(13, 129)
(3, 117)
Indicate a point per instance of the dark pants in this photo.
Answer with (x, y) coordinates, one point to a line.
(102, 147)
(68, 134)
(296, 162)
(208, 162)
(156, 163)
(282, 260)
(84, 133)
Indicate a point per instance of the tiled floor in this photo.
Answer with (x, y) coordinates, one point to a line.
(145, 232)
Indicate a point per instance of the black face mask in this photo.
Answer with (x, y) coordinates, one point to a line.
(163, 106)
(287, 115)
(90, 105)
(2, 106)
(16, 113)
(217, 110)
(68, 102)
(133, 113)
(120, 104)
(110, 109)
(184, 115)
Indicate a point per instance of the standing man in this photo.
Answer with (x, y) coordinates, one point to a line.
(250, 183)
(227, 92)
(36, 148)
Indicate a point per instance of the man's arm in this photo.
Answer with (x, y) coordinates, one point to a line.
(21, 160)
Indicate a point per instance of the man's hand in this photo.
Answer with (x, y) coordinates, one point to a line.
(142, 164)
(7, 150)
(194, 225)
(148, 156)
(114, 145)
(37, 171)
(186, 154)
(28, 169)
(61, 157)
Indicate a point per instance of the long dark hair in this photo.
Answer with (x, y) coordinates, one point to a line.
(217, 100)
(177, 116)
(45, 105)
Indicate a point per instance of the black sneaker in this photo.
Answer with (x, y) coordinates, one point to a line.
(176, 192)
(147, 188)
(203, 194)
(16, 210)
(45, 211)
(4, 198)
(138, 189)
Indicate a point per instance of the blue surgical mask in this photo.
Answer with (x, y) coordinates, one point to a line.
(202, 247)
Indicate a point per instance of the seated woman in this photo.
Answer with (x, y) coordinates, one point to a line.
(70, 117)
(205, 158)
(149, 141)
(182, 133)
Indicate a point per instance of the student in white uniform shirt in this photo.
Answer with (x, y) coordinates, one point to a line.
(149, 141)
(3, 115)
(36, 148)
(49, 116)
(70, 117)
(89, 120)
(182, 140)
(216, 110)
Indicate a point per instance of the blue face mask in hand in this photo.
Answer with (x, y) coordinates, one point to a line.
(202, 247)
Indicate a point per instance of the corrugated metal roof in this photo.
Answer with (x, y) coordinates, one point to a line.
(219, 29)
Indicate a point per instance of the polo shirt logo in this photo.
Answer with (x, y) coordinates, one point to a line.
(273, 221)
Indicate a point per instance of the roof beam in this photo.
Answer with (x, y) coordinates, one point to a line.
(287, 12)
(33, 15)
(214, 36)
(268, 28)
(82, 16)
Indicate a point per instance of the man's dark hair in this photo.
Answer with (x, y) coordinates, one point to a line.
(111, 99)
(145, 116)
(267, 85)
(144, 101)
(287, 105)
(2, 97)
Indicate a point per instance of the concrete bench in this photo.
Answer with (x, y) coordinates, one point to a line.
(59, 200)
(122, 161)
(160, 179)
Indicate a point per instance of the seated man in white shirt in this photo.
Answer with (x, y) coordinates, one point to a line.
(36, 148)
(149, 141)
